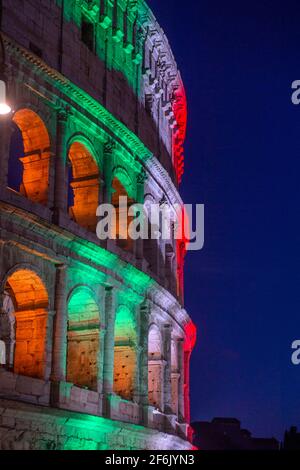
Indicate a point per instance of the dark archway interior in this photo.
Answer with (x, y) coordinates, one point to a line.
(15, 166)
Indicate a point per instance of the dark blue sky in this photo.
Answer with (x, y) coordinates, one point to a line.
(238, 60)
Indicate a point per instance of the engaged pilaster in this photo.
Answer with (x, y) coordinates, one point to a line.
(139, 244)
(61, 167)
(109, 340)
(141, 386)
(167, 331)
(108, 155)
(59, 355)
(180, 351)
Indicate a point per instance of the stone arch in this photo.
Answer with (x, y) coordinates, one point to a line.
(29, 159)
(84, 183)
(122, 187)
(83, 339)
(39, 108)
(25, 306)
(155, 367)
(155, 342)
(125, 360)
(87, 143)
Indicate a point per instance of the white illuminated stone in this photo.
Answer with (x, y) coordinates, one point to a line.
(4, 107)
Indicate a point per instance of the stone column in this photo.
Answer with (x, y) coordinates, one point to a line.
(175, 388)
(139, 244)
(187, 358)
(108, 163)
(102, 190)
(171, 285)
(141, 383)
(102, 332)
(167, 405)
(49, 343)
(109, 343)
(61, 167)
(6, 130)
(180, 272)
(180, 350)
(100, 360)
(7, 334)
(59, 354)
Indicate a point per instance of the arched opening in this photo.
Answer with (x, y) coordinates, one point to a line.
(123, 220)
(175, 376)
(125, 353)
(84, 184)
(29, 158)
(83, 339)
(23, 323)
(155, 368)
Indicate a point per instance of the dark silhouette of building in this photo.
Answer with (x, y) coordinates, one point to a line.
(291, 439)
(227, 434)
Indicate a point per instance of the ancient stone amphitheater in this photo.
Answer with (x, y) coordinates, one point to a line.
(94, 338)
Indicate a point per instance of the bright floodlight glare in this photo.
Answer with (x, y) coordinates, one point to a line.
(4, 107)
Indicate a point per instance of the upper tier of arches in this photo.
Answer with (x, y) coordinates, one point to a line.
(126, 64)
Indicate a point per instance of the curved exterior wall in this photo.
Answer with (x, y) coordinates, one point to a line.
(90, 327)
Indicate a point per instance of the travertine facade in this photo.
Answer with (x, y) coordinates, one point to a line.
(92, 331)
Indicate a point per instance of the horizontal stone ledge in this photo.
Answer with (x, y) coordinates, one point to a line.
(28, 427)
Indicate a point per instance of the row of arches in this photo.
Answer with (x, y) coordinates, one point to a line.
(85, 187)
(24, 336)
(29, 170)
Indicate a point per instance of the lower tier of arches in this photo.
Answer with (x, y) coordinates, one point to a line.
(81, 330)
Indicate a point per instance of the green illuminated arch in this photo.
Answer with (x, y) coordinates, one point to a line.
(83, 338)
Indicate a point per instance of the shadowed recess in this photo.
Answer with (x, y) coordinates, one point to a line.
(33, 152)
(125, 353)
(26, 308)
(85, 184)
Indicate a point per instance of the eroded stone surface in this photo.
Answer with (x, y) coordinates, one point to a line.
(95, 332)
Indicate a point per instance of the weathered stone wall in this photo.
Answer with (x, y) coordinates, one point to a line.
(129, 67)
(109, 379)
(24, 427)
(76, 313)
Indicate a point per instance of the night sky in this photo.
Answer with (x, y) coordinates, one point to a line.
(238, 60)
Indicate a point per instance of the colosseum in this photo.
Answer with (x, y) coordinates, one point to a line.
(95, 342)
